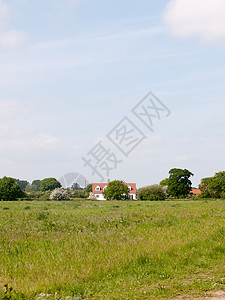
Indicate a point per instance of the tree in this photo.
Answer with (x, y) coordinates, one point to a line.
(116, 190)
(22, 184)
(164, 182)
(76, 187)
(217, 184)
(88, 188)
(49, 184)
(31, 188)
(37, 183)
(10, 189)
(152, 192)
(206, 187)
(179, 184)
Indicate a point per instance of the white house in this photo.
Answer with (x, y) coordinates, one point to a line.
(98, 188)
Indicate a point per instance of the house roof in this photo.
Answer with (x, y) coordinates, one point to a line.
(195, 192)
(102, 185)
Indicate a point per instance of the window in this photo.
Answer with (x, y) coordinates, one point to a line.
(105, 187)
(97, 188)
(129, 187)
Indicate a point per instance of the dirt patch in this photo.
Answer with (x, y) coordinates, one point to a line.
(219, 295)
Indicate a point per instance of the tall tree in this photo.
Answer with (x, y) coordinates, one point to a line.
(116, 190)
(76, 187)
(37, 183)
(179, 184)
(217, 184)
(88, 188)
(164, 182)
(206, 187)
(22, 184)
(49, 184)
(10, 189)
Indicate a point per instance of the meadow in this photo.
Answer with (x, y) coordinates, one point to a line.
(84, 249)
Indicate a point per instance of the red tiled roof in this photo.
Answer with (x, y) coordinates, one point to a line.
(102, 185)
(195, 192)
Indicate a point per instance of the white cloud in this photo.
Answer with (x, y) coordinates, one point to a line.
(9, 38)
(13, 38)
(13, 109)
(26, 140)
(204, 19)
(65, 6)
(131, 34)
(4, 11)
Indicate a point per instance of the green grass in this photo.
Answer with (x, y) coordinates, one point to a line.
(111, 250)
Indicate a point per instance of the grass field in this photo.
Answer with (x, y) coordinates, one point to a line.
(111, 250)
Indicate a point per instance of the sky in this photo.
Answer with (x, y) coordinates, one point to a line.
(72, 72)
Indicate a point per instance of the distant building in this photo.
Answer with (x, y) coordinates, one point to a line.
(195, 192)
(98, 188)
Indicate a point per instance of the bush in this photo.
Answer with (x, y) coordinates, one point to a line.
(79, 194)
(60, 195)
(152, 193)
(44, 196)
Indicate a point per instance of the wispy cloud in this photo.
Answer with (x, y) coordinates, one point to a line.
(190, 18)
(26, 139)
(130, 34)
(13, 38)
(9, 38)
(4, 11)
(12, 109)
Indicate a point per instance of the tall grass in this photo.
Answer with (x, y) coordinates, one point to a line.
(111, 250)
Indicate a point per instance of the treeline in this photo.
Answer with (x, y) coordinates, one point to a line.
(13, 189)
(177, 185)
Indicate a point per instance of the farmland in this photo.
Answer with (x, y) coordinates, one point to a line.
(83, 249)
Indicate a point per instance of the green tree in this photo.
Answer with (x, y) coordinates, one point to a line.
(31, 188)
(37, 183)
(10, 189)
(153, 192)
(217, 184)
(22, 184)
(79, 194)
(179, 184)
(164, 182)
(88, 188)
(116, 190)
(76, 187)
(49, 184)
(206, 188)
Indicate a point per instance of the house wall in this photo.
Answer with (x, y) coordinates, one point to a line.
(99, 196)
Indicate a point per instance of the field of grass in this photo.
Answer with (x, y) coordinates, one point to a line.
(111, 250)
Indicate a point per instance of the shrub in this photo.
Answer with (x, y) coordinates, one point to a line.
(44, 196)
(79, 194)
(152, 192)
(60, 195)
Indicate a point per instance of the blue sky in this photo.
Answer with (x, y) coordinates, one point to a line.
(72, 70)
